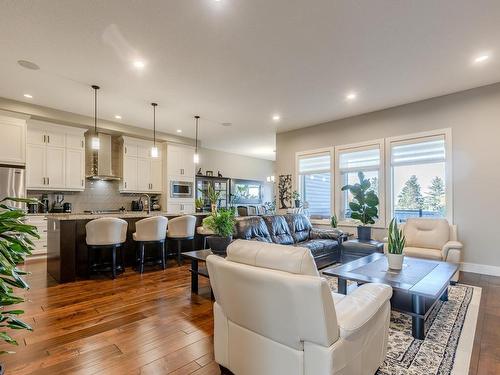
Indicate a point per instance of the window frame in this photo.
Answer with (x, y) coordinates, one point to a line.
(296, 183)
(354, 147)
(413, 138)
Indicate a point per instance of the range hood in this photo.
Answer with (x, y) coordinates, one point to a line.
(99, 164)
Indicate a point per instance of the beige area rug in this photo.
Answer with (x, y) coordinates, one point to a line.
(449, 337)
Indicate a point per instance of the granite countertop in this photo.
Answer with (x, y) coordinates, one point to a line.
(121, 215)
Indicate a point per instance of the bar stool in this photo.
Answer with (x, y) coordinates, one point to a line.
(204, 233)
(179, 229)
(107, 233)
(151, 230)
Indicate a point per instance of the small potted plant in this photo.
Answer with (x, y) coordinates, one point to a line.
(222, 224)
(296, 198)
(395, 246)
(333, 221)
(213, 196)
(363, 206)
(198, 202)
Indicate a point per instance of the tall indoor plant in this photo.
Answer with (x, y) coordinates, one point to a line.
(222, 224)
(213, 196)
(395, 246)
(15, 245)
(363, 206)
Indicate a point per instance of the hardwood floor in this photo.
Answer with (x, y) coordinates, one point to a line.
(151, 324)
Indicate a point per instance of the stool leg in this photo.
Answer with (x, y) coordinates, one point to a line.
(122, 250)
(113, 266)
(141, 255)
(89, 262)
(162, 249)
(179, 252)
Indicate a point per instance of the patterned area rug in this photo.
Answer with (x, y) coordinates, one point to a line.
(435, 354)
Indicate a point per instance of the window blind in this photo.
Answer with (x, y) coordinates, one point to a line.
(359, 160)
(314, 163)
(419, 152)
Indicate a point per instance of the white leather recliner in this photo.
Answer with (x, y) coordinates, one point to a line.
(432, 239)
(275, 315)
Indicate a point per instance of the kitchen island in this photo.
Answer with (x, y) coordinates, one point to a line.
(67, 248)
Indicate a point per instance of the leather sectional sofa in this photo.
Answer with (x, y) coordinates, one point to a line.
(293, 230)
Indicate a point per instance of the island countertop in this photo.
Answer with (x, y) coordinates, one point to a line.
(121, 215)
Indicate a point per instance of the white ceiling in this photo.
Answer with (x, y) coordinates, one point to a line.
(241, 61)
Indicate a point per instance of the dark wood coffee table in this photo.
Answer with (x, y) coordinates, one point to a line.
(196, 257)
(416, 288)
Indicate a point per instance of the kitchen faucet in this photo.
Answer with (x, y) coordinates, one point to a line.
(149, 202)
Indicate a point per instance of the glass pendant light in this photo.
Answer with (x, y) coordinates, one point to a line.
(196, 157)
(154, 149)
(95, 139)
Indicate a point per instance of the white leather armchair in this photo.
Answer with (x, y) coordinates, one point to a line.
(275, 315)
(432, 239)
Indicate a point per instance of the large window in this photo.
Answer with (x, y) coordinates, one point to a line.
(419, 177)
(314, 183)
(352, 160)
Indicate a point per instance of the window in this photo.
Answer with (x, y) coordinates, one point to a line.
(419, 177)
(314, 184)
(366, 158)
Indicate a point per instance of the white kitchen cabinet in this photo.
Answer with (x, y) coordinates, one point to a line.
(141, 173)
(55, 157)
(180, 161)
(40, 244)
(12, 140)
(180, 208)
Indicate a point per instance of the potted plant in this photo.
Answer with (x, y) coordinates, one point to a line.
(395, 246)
(222, 224)
(213, 196)
(198, 202)
(15, 245)
(296, 198)
(333, 221)
(363, 206)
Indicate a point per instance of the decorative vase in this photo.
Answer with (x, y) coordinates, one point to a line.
(218, 244)
(395, 261)
(364, 233)
(297, 203)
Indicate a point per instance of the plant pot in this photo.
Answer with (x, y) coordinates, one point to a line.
(213, 208)
(364, 233)
(395, 261)
(218, 244)
(297, 203)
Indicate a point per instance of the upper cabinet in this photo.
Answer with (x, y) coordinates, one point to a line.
(13, 139)
(180, 162)
(55, 157)
(141, 173)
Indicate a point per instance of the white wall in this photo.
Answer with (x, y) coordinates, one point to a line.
(238, 166)
(474, 117)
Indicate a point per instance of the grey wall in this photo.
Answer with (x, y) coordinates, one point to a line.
(238, 166)
(473, 116)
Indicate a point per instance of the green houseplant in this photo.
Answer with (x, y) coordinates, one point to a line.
(222, 224)
(296, 198)
(363, 206)
(198, 203)
(213, 196)
(15, 245)
(333, 221)
(395, 245)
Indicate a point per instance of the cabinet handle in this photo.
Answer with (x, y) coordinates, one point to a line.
(82, 143)
(43, 183)
(44, 138)
(82, 182)
(125, 184)
(48, 139)
(125, 149)
(48, 180)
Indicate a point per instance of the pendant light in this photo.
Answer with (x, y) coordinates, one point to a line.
(196, 157)
(95, 139)
(154, 149)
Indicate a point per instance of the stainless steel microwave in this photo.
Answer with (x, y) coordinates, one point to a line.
(181, 189)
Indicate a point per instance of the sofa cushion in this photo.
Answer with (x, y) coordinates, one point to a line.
(420, 252)
(299, 225)
(319, 247)
(252, 228)
(278, 229)
(297, 260)
(427, 233)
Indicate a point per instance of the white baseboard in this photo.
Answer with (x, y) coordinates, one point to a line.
(481, 268)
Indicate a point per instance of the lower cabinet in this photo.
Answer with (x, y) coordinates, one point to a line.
(180, 208)
(40, 244)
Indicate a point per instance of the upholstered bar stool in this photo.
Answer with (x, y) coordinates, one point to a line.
(151, 231)
(204, 233)
(179, 229)
(106, 233)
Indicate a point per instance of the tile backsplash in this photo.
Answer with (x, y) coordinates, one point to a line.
(98, 195)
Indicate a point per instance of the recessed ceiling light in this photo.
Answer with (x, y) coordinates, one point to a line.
(28, 64)
(139, 64)
(481, 58)
(351, 96)
(179, 131)
(276, 117)
(29, 96)
(118, 117)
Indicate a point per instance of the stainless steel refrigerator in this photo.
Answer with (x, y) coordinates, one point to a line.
(13, 183)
